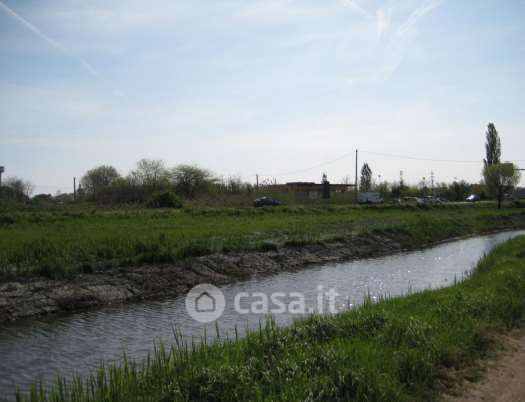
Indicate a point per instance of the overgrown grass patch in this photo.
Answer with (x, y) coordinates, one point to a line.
(65, 242)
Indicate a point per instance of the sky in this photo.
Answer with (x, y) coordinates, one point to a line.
(287, 89)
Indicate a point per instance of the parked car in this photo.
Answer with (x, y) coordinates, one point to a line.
(369, 197)
(519, 196)
(266, 202)
(412, 201)
(428, 200)
(472, 198)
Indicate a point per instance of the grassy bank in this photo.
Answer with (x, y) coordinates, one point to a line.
(395, 350)
(64, 242)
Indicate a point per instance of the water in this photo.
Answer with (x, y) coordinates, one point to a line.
(77, 343)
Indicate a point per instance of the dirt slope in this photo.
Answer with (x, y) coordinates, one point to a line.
(503, 380)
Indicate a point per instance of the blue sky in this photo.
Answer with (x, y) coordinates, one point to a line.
(262, 86)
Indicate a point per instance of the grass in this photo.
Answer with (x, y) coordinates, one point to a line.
(398, 349)
(64, 242)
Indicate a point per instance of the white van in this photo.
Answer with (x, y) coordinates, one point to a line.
(369, 197)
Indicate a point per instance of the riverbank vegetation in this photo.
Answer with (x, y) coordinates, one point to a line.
(65, 241)
(399, 349)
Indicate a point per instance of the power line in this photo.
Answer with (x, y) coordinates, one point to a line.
(387, 155)
(420, 158)
(427, 159)
(309, 168)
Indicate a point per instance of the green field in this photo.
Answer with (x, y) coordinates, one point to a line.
(61, 242)
(399, 349)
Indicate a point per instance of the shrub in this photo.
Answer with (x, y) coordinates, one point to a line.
(165, 200)
(7, 219)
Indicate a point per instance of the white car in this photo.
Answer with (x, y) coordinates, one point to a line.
(370, 197)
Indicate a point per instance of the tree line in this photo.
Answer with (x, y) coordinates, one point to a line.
(152, 181)
(152, 177)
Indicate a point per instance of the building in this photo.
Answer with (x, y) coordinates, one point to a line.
(309, 189)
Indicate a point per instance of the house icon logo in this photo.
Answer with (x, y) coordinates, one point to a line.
(205, 303)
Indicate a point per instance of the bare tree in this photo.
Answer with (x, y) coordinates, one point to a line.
(347, 180)
(150, 172)
(22, 189)
(98, 178)
(190, 179)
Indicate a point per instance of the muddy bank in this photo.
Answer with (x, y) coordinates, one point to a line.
(26, 297)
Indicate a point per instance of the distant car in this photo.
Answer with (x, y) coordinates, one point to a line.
(428, 200)
(370, 197)
(472, 198)
(266, 202)
(407, 201)
(519, 196)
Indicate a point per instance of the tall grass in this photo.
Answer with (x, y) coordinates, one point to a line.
(396, 350)
(59, 243)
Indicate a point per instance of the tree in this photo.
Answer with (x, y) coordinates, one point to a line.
(190, 179)
(459, 190)
(150, 172)
(326, 186)
(21, 189)
(501, 178)
(233, 184)
(98, 178)
(366, 178)
(492, 146)
(347, 180)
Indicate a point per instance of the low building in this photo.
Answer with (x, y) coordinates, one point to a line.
(309, 189)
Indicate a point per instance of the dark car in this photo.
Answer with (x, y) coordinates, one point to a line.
(266, 202)
(472, 198)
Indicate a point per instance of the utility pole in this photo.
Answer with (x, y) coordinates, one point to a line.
(2, 170)
(432, 182)
(74, 188)
(356, 158)
(257, 181)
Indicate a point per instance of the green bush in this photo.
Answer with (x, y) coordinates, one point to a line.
(165, 200)
(7, 219)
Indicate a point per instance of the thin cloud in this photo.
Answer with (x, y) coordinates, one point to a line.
(88, 67)
(382, 22)
(356, 7)
(416, 16)
(388, 57)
